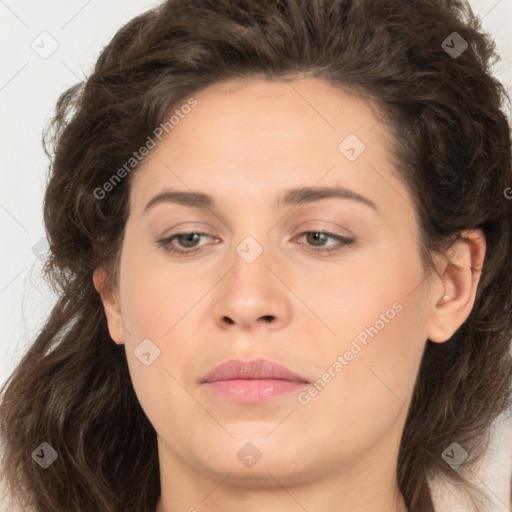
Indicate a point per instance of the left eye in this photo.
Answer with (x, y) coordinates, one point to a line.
(188, 242)
(343, 242)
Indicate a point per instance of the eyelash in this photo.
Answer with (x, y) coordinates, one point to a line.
(165, 243)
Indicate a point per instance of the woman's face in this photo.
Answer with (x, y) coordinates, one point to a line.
(351, 319)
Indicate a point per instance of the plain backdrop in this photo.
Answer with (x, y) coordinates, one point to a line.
(47, 47)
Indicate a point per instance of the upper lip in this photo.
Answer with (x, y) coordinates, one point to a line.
(253, 369)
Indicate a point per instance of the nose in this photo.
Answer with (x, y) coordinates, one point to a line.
(252, 295)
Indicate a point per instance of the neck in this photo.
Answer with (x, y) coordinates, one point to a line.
(280, 499)
(366, 486)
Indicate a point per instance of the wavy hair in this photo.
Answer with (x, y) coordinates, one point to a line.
(452, 149)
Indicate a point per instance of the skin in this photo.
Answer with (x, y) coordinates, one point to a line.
(296, 307)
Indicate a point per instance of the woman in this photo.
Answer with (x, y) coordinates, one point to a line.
(341, 336)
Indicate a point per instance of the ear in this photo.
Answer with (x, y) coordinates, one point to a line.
(111, 307)
(455, 287)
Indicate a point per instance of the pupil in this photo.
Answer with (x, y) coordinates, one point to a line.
(187, 238)
(316, 236)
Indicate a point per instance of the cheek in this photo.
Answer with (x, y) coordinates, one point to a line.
(154, 297)
(365, 291)
(159, 305)
(375, 354)
(372, 384)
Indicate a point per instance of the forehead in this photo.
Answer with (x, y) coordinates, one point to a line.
(257, 101)
(249, 118)
(256, 137)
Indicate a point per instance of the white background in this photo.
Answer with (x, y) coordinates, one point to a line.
(29, 88)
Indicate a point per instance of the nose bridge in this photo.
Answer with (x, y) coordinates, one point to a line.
(249, 273)
(250, 291)
(250, 234)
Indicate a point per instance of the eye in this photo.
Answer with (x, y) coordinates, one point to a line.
(188, 242)
(321, 236)
(188, 239)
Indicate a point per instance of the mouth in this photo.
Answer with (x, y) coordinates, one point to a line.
(252, 381)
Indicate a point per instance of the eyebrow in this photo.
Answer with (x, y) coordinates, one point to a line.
(294, 196)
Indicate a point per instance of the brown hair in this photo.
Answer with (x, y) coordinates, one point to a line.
(452, 145)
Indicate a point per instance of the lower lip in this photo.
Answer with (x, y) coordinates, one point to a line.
(253, 390)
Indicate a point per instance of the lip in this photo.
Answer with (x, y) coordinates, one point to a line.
(253, 381)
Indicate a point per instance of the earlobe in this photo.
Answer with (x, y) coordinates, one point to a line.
(110, 306)
(457, 283)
